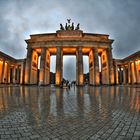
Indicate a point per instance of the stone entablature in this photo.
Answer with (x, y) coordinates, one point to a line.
(6, 57)
(69, 35)
(131, 57)
(64, 39)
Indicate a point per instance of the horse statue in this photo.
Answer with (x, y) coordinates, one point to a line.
(72, 26)
(61, 27)
(66, 26)
(77, 27)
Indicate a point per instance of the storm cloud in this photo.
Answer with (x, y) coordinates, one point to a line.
(118, 18)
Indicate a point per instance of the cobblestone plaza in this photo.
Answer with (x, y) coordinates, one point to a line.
(81, 113)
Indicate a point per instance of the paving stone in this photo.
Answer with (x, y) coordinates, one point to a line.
(5, 136)
(15, 135)
(82, 113)
(123, 133)
(135, 138)
(34, 136)
(24, 138)
(137, 133)
(26, 134)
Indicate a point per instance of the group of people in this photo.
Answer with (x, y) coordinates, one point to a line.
(67, 84)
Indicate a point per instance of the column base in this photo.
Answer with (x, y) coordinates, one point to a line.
(94, 84)
(41, 83)
(79, 84)
(57, 85)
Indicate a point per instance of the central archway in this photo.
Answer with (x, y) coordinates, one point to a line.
(86, 69)
(69, 67)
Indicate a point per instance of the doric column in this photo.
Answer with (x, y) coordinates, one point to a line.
(96, 67)
(116, 71)
(138, 71)
(47, 69)
(4, 72)
(129, 73)
(18, 74)
(91, 69)
(119, 74)
(42, 67)
(79, 67)
(14, 75)
(21, 73)
(124, 75)
(3, 67)
(135, 73)
(59, 65)
(28, 65)
(110, 65)
(8, 73)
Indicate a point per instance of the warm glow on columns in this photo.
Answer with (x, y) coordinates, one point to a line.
(40, 76)
(97, 79)
(57, 78)
(81, 79)
(6, 63)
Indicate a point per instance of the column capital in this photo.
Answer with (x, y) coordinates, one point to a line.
(29, 48)
(94, 48)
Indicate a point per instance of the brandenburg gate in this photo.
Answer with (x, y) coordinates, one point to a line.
(69, 40)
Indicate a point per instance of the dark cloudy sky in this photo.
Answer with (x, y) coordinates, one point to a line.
(118, 18)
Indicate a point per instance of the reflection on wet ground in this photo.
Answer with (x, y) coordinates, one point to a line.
(107, 112)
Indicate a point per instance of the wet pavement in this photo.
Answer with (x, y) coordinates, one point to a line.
(83, 113)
